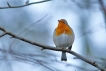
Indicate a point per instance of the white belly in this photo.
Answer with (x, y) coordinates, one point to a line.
(63, 40)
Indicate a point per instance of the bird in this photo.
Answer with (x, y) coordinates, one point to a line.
(63, 37)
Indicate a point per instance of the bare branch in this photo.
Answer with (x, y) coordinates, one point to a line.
(3, 34)
(93, 63)
(9, 6)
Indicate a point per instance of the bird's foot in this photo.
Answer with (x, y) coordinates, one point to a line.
(68, 50)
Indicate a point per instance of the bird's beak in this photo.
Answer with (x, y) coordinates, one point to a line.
(58, 20)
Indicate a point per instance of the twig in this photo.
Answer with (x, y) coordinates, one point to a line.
(53, 48)
(9, 6)
(3, 34)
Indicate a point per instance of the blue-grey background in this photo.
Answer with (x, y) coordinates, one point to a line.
(37, 23)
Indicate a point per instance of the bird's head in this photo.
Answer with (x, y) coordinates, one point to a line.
(63, 21)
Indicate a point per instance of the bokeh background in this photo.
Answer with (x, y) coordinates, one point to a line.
(37, 22)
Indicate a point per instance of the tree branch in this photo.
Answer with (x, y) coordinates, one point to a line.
(3, 34)
(9, 6)
(54, 48)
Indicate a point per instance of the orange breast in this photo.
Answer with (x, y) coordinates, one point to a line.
(63, 28)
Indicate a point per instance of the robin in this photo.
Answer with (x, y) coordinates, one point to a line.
(63, 37)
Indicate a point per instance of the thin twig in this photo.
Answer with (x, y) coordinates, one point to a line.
(3, 34)
(53, 48)
(9, 6)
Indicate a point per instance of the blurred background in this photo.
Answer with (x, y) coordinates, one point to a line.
(37, 22)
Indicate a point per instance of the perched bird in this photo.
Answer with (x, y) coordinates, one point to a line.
(63, 37)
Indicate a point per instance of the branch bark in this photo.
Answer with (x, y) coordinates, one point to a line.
(4, 33)
(9, 6)
(93, 63)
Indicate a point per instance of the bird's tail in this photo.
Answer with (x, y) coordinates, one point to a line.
(63, 56)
